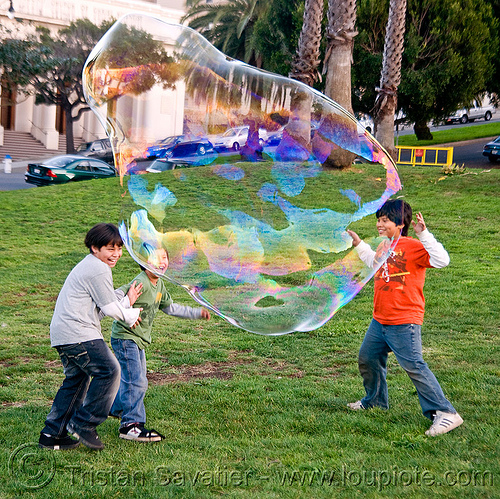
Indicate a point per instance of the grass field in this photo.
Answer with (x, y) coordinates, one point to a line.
(455, 134)
(253, 416)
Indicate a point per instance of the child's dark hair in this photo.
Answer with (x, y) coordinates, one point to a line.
(397, 211)
(101, 235)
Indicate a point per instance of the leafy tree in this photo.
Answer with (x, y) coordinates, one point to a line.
(493, 84)
(17, 58)
(229, 26)
(277, 32)
(447, 60)
(57, 75)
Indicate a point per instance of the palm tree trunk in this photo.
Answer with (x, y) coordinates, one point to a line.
(305, 69)
(340, 35)
(306, 61)
(386, 101)
(340, 42)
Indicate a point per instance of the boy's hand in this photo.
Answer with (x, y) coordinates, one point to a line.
(138, 319)
(205, 314)
(134, 292)
(355, 238)
(419, 226)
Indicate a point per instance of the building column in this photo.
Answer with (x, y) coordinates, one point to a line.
(43, 129)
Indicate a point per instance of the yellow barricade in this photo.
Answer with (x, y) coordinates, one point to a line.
(425, 156)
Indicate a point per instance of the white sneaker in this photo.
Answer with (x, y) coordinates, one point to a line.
(356, 406)
(137, 432)
(443, 423)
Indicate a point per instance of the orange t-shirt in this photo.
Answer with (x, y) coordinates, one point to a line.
(399, 284)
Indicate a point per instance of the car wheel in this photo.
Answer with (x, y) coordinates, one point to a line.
(464, 119)
(201, 150)
(493, 159)
(236, 146)
(487, 116)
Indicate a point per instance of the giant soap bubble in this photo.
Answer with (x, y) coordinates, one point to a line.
(247, 205)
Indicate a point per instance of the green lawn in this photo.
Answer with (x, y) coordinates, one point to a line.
(455, 134)
(253, 416)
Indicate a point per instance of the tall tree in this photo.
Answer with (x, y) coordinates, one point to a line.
(387, 93)
(276, 33)
(340, 34)
(57, 78)
(307, 58)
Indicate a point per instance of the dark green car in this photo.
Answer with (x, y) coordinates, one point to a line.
(68, 168)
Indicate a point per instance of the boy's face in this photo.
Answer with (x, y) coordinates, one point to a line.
(162, 260)
(108, 254)
(388, 228)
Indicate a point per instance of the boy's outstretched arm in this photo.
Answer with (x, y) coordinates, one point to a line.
(438, 256)
(365, 253)
(186, 312)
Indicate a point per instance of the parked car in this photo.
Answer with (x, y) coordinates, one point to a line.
(161, 165)
(100, 149)
(274, 138)
(161, 148)
(236, 138)
(192, 153)
(476, 112)
(67, 168)
(492, 150)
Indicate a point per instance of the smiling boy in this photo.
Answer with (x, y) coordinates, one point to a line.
(92, 373)
(398, 313)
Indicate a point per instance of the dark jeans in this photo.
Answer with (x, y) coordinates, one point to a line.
(85, 397)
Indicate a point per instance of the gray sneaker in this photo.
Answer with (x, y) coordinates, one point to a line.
(356, 406)
(443, 423)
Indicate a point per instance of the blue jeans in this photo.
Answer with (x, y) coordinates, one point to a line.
(129, 400)
(406, 343)
(88, 390)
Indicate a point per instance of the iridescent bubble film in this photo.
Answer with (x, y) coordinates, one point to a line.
(241, 187)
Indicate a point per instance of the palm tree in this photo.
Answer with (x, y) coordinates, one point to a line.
(306, 61)
(229, 26)
(340, 34)
(386, 100)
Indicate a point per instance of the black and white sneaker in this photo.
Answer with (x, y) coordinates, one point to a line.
(88, 437)
(47, 441)
(137, 432)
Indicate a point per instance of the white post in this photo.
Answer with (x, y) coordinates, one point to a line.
(7, 164)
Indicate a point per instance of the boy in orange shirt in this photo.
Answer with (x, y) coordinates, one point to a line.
(398, 313)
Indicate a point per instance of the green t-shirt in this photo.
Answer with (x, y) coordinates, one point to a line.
(152, 299)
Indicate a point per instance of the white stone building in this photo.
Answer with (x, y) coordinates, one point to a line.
(45, 122)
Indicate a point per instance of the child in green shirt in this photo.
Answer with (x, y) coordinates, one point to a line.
(129, 345)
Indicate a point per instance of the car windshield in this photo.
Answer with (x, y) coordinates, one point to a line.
(169, 141)
(59, 161)
(84, 146)
(161, 166)
(185, 149)
(497, 140)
